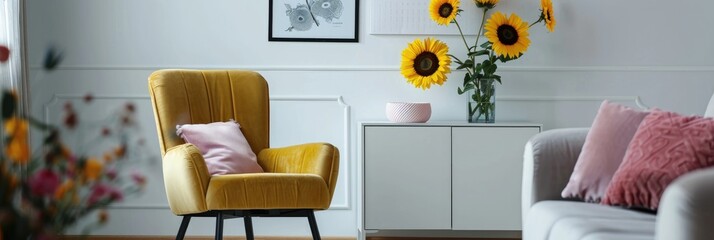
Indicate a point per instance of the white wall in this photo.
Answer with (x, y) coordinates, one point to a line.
(657, 50)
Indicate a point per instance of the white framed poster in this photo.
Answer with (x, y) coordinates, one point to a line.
(313, 20)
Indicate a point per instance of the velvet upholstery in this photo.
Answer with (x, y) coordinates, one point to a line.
(296, 177)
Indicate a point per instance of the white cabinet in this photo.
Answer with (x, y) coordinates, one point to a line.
(443, 176)
(409, 184)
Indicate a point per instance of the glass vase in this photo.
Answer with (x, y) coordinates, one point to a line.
(482, 105)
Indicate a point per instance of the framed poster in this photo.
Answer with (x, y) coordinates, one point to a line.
(313, 20)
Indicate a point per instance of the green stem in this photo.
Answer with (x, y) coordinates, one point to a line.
(465, 44)
(540, 19)
(480, 29)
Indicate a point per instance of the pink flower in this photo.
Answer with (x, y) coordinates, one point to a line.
(111, 173)
(44, 183)
(103, 191)
(138, 178)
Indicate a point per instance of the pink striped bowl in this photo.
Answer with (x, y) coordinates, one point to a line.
(408, 112)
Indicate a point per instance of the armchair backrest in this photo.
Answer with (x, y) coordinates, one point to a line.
(205, 96)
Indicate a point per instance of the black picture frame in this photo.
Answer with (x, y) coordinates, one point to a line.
(313, 20)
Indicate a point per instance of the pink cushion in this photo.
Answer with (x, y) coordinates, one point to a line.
(666, 146)
(603, 151)
(223, 146)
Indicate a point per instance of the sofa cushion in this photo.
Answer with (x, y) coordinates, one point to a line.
(666, 146)
(603, 151)
(570, 220)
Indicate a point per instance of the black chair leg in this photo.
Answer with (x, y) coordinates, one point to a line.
(313, 225)
(184, 226)
(248, 222)
(219, 226)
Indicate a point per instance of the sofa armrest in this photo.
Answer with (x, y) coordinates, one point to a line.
(548, 162)
(686, 211)
(321, 159)
(186, 179)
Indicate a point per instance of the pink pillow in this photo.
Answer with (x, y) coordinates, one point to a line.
(666, 146)
(603, 151)
(223, 146)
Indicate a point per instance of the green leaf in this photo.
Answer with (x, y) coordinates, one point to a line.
(457, 60)
(466, 64)
(490, 69)
(467, 79)
(478, 53)
(497, 78)
(465, 89)
(486, 45)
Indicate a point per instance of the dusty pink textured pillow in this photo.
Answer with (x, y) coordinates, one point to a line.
(223, 146)
(603, 151)
(666, 146)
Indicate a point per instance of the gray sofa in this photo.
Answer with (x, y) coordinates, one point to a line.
(686, 211)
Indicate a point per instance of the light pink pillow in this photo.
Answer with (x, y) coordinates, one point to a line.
(666, 146)
(603, 151)
(223, 146)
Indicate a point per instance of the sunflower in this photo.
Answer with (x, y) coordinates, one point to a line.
(508, 35)
(547, 14)
(425, 63)
(444, 12)
(486, 3)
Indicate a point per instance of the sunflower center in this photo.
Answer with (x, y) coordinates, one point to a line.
(426, 64)
(507, 34)
(445, 10)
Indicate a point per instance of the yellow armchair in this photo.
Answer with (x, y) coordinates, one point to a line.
(297, 179)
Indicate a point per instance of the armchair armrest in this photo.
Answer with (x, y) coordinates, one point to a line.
(686, 211)
(321, 159)
(549, 159)
(186, 179)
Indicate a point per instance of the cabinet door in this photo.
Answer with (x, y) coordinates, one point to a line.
(407, 177)
(487, 169)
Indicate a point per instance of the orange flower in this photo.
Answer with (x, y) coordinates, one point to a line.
(120, 151)
(108, 157)
(92, 169)
(17, 148)
(103, 216)
(66, 188)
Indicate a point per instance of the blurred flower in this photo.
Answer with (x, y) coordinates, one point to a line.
(4, 56)
(88, 98)
(103, 216)
(67, 187)
(18, 148)
(44, 182)
(138, 178)
(104, 192)
(112, 173)
(92, 169)
(44, 192)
